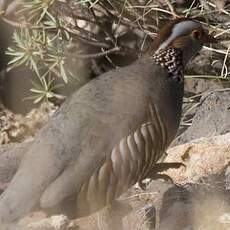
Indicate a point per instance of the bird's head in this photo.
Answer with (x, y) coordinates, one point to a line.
(184, 34)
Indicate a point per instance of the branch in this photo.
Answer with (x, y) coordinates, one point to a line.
(172, 9)
(97, 55)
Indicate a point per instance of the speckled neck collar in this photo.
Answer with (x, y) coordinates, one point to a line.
(171, 60)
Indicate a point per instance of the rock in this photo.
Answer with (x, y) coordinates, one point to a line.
(211, 118)
(60, 222)
(53, 223)
(34, 217)
(13, 227)
(194, 207)
(176, 209)
(201, 198)
(225, 218)
(196, 86)
(36, 221)
(202, 157)
(18, 128)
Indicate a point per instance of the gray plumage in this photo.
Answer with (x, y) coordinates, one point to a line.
(106, 137)
(87, 140)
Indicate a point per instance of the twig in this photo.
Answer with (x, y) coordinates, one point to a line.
(172, 9)
(190, 8)
(224, 64)
(216, 50)
(206, 76)
(97, 55)
(87, 40)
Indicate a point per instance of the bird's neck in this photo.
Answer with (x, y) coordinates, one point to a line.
(171, 60)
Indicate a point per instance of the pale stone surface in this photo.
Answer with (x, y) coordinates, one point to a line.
(60, 222)
(202, 157)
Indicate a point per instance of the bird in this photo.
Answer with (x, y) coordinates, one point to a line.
(110, 134)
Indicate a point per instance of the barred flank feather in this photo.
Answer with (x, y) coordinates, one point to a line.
(130, 161)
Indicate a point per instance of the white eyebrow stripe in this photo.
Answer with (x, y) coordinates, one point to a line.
(178, 30)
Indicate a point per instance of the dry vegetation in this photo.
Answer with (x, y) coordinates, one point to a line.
(48, 34)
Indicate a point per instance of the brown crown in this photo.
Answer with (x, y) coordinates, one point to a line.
(164, 34)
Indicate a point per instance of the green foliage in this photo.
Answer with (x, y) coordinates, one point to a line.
(37, 9)
(43, 41)
(41, 45)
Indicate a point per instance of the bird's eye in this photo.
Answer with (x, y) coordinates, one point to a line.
(196, 34)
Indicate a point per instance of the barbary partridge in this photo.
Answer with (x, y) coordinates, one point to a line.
(109, 134)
